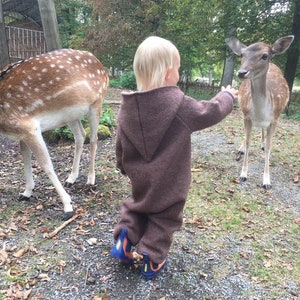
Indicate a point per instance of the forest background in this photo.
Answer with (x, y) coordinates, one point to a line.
(113, 30)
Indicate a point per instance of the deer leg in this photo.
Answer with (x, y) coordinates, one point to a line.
(266, 177)
(241, 151)
(263, 140)
(242, 148)
(79, 137)
(248, 127)
(40, 151)
(27, 154)
(94, 117)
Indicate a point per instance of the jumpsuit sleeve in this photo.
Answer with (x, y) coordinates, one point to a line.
(202, 114)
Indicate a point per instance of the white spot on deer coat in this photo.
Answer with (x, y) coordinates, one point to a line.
(35, 105)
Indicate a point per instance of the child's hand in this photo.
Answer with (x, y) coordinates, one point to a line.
(231, 90)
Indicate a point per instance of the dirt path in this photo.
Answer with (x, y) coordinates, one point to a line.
(72, 266)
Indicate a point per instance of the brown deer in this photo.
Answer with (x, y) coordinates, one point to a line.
(46, 92)
(263, 95)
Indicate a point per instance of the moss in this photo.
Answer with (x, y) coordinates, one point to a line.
(103, 133)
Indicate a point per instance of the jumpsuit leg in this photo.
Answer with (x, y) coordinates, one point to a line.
(134, 222)
(157, 238)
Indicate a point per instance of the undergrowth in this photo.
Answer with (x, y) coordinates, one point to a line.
(206, 93)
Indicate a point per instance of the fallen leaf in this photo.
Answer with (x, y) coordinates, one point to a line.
(2, 234)
(39, 207)
(244, 255)
(16, 292)
(267, 264)
(137, 256)
(246, 209)
(296, 179)
(45, 229)
(203, 275)
(19, 253)
(44, 277)
(103, 297)
(3, 256)
(13, 226)
(92, 241)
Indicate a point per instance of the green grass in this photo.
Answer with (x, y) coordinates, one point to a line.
(263, 229)
(251, 231)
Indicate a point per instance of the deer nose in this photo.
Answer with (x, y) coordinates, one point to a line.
(242, 74)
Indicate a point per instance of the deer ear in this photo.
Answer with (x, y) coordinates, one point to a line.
(282, 44)
(235, 45)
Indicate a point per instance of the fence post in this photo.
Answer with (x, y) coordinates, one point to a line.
(50, 26)
(4, 54)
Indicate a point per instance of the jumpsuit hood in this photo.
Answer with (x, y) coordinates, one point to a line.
(146, 117)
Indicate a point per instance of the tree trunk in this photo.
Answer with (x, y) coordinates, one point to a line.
(230, 58)
(228, 70)
(50, 26)
(293, 52)
(4, 53)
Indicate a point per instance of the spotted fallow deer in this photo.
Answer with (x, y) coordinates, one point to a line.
(46, 92)
(263, 95)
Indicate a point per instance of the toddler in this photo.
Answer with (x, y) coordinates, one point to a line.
(153, 148)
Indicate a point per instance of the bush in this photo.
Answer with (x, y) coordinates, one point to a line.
(64, 133)
(126, 80)
(107, 117)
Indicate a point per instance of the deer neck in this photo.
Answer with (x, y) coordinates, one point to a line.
(259, 90)
(260, 106)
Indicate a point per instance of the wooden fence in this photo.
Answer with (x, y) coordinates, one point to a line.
(24, 43)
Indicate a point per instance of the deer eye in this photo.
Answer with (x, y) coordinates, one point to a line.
(264, 56)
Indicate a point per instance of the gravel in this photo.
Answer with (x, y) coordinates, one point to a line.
(76, 263)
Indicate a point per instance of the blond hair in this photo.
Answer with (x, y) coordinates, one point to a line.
(151, 61)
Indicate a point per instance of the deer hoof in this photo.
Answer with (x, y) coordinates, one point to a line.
(239, 155)
(68, 184)
(68, 215)
(267, 186)
(23, 198)
(243, 179)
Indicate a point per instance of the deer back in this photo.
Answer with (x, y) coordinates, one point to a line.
(43, 89)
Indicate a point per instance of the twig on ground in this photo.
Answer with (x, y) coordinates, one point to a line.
(87, 275)
(63, 225)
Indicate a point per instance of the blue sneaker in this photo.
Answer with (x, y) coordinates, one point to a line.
(151, 269)
(121, 249)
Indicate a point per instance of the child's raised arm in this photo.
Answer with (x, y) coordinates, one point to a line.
(231, 90)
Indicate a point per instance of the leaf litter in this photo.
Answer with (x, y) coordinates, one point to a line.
(204, 263)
